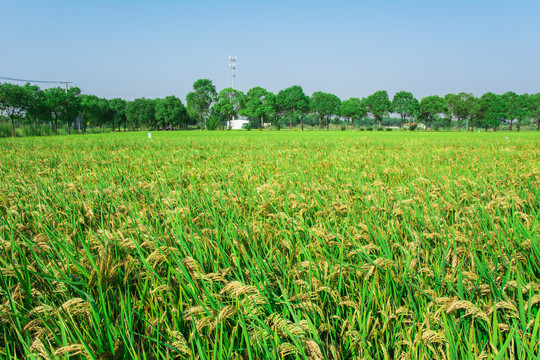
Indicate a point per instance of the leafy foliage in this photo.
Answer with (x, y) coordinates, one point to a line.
(406, 105)
(140, 112)
(30, 111)
(260, 104)
(378, 104)
(292, 101)
(170, 112)
(229, 103)
(492, 109)
(324, 105)
(460, 106)
(14, 102)
(202, 97)
(353, 109)
(431, 107)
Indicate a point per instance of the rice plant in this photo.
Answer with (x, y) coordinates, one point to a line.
(270, 245)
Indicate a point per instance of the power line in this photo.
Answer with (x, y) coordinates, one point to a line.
(34, 81)
(43, 81)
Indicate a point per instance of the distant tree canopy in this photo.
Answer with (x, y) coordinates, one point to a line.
(534, 109)
(96, 110)
(201, 99)
(259, 104)
(292, 101)
(324, 105)
(58, 109)
(170, 112)
(140, 112)
(14, 102)
(229, 103)
(118, 106)
(460, 106)
(378, 104)
(406, 105)
(430, 107)
(353, 109)
(492, 110)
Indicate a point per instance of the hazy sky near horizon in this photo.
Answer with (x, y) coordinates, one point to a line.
(132, 49)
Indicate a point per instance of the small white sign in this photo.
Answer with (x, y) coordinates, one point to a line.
(506, 138)
(149, 135)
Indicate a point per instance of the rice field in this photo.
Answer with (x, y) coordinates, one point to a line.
(270, 245)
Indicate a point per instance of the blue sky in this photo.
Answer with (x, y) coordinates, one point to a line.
(131, 49)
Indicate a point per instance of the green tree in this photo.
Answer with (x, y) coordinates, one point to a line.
(259, 104)
(460, 106)
(510, 100)
(472, 117)
(64, 105)
(518, 108)
(291, 101)
(405, 104)
(431, 107)
(201, 98)
(37, 110)
(534, 109)
(14, 102)
(215, 119)
(97, 111)
(523, 110)
(170, 111)
(447, 118)
(106, 114)
(229, 103)
(353, 109)
(118, 106)
(324, 105)
(378, 104)
(140, 112)
(276, 114)
(90, 109)
(492, 110)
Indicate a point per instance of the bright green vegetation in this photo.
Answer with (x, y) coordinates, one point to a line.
(265, 245)
(29, 111)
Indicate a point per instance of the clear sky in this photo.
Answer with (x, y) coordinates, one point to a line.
(131, 49)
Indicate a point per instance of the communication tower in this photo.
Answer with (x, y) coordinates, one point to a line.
(232, 65)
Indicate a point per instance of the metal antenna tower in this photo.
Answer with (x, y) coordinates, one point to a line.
(232, 65)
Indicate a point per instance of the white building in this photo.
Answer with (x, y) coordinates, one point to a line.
(419, 126)
(236, 124)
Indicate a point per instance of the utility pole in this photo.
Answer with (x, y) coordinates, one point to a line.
(66, 84)
(232, 65)
(66, 87)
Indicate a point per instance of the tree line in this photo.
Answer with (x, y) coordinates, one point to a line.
(207, 109)
(56, 107)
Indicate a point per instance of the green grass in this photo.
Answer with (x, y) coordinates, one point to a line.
(265, 245)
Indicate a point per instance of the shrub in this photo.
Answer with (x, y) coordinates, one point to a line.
(380, 129)
(413, 127)
(213, 122)
(388, 129)
(5, 130)
(369, 128)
